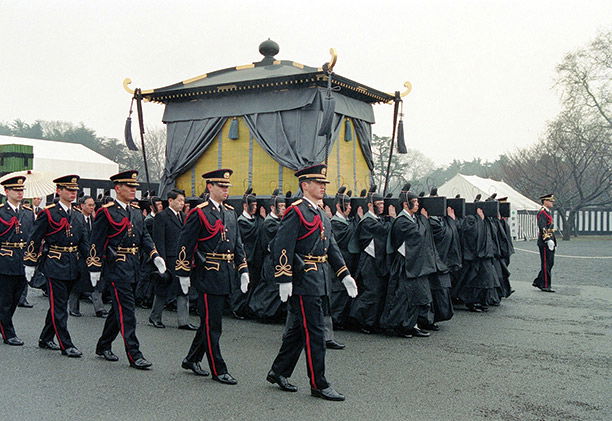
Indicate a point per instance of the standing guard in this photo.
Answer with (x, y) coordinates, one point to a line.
(117, 238)
(302, 247)
(210, 251)
(15, 226)
(547, 243)
(63, 236)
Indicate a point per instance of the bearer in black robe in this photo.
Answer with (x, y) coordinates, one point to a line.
(369, 242)
(343, 227)
(265, 303)
(413, 258)
(248, 224)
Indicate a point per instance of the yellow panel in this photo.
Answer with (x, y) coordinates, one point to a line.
(265, 171)
(236, 156)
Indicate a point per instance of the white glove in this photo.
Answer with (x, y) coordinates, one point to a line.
(244, 282)
(550, 244)
(29, 272)
(350, 285)
(160, 264)
(94, 277)
(185, 283)
(285, 290)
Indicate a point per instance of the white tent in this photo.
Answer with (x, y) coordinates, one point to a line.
(65, 158)
(522, 209)
(468, 186)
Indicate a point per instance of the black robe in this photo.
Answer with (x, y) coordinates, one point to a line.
(249, 231)
(371, 272)
(343, 230)
(408, 293)
(265, 303)
(444, 239)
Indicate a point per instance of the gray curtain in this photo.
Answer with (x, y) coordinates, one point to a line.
(364, 133)
(187, 141)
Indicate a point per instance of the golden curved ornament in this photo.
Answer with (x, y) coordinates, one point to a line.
(408, 87)
(334, 58)
(126, 85)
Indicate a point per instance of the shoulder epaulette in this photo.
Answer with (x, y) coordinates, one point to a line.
(134, 205)
(201, 205)
(228, 206)
(1, 204)
(77, 209)
(297, 202)
(26, 207)
(108, 205)
(52, 205)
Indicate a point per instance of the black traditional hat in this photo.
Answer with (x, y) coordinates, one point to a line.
(502, 199)
(342, 198)
(68, 182)
(249, 197)
(276, 198)
(129, 177)
(406, 195)
(372, 195)
(220, 177)
(14, 183)
(549, 196)
(314, 172)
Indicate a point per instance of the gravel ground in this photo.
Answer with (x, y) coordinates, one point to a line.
(536, 357)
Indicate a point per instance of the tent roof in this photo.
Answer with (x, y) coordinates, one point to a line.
(268, 74)
(468, 186)
(64, 157)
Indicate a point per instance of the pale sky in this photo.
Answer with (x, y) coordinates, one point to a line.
(482, 70)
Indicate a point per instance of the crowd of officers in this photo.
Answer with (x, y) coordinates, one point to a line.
(315, 265)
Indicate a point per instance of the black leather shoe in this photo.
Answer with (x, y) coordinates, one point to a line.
(14, 341)
(547, 290)
(48, 345)
(225, 379)
(108, 355)
(334, 345)
(473, 308)
(157, 324)
(328, 394)
(281, 381)
(25, 304)
(195, 367)
(75, 313)
(431, 327)
(415, 331)
(103, 314)
(72, 352)
(141, 364)
(406, 335)
(188, 326)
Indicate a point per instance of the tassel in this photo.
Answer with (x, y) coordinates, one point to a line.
(329, 107)
(129, 140)
(401, 143)
(348, 133)
(233, 130)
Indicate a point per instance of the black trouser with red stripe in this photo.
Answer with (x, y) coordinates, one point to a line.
(206, 340)
(11, 288)
(305, 329)
(121, 319)
(56, 323)
(547, 260)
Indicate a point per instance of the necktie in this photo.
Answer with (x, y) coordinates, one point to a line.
(178, 215)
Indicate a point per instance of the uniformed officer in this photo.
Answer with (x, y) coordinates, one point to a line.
(303, 244)
(60, 237)
(15, 227)
(547, 243)
(117, 238)
(210, 252)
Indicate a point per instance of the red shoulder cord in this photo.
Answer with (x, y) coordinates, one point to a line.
(118, 226)
(56, 226)
(310, 226)
(212, 229)
(13, 222)
(549, 218)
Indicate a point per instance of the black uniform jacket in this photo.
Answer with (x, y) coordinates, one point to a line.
(166, 231)
(304, 236)
(546, 227)
(57, 243)
(205, 247)
(117, 240)
(14, 232)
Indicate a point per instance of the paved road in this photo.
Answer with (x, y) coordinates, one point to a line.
(538, 356)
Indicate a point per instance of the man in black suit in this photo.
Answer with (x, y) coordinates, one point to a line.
(62, 232)
(166, 230)
(87, 206)
(15, 227)
(36, 208)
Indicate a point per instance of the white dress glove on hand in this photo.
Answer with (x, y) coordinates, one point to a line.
(285, 290)
(160, 264)
(350, 285)
(29, 272)
(185, 283)
(94, 278)
(550, 244)
(244, 282)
